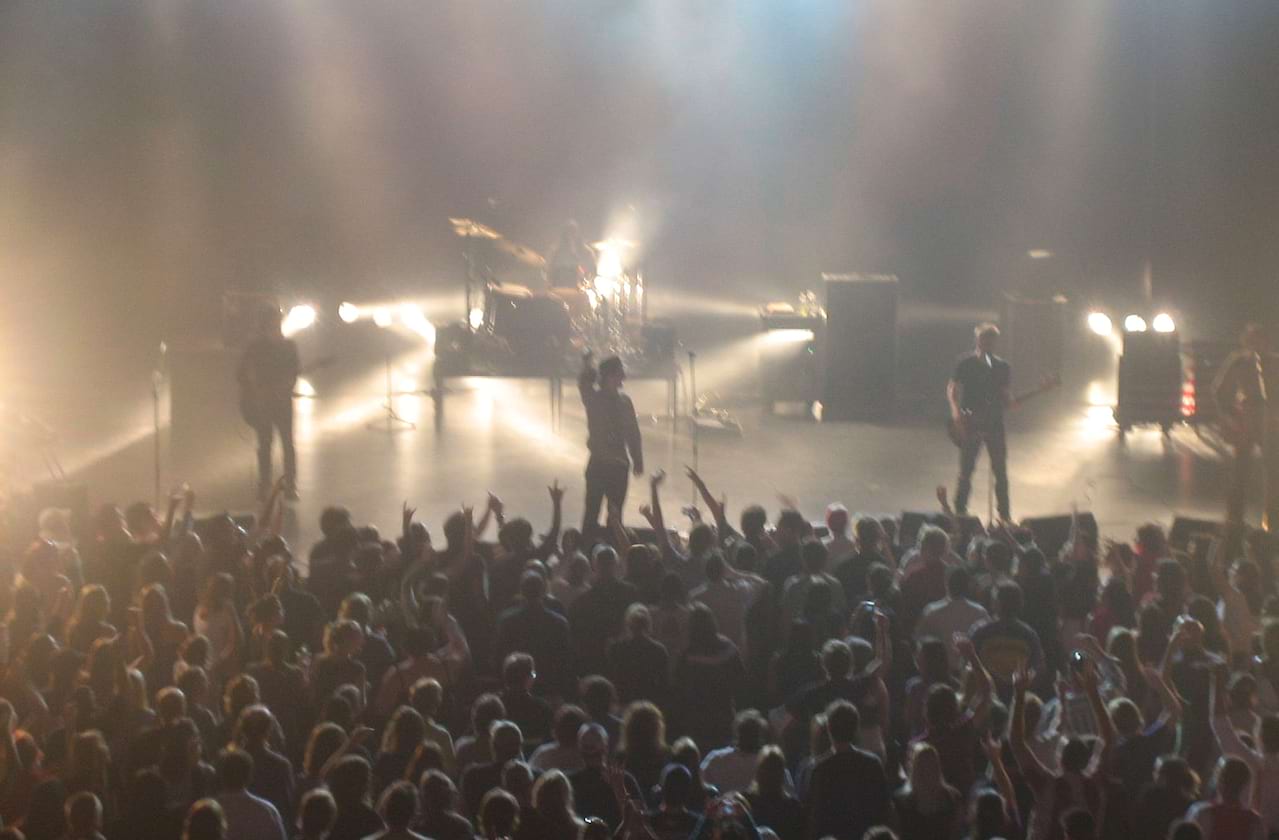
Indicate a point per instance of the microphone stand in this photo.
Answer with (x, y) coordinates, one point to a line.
(692, 417)
(157, 381)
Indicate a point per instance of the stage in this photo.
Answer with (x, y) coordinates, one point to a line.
(498, 435)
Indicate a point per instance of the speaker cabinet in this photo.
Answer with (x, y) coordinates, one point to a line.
(1149, 380)
(206, 430)
(1052, 532)
(859, 357)
(1034, 333)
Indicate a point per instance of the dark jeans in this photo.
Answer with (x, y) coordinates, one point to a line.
(277, 416)
(997, 447)
(604, 480)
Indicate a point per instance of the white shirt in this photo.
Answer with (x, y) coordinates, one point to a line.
(250, 817)
(728, 599)
(838, 549)
(552, 756)
(219, 627)
(947, 617)
(730, 769)
(1237, 620)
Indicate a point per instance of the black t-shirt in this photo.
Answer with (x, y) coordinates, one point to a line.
(1133, 759)
(982, 380)
(848, 794)
(270, 367)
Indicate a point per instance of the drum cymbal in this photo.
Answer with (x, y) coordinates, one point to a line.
(471, 229)
(614, 245)
(522, 253)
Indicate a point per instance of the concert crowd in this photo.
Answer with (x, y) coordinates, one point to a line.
(166, 677)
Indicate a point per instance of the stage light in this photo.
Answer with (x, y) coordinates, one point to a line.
(1134, 323)
(410, 314)
(348, 312)
(299, 318)
(383, 317)
(1163, 323)
(412, 318)
(476, 318)
(788, 336)
(1099, 322)
(1039, 254)
(606, 286)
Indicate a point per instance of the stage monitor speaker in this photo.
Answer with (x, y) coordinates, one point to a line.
(788, 366)
(859, 357)
(206, 430)
(912, 521)
(1052, 532)
(1185, 528)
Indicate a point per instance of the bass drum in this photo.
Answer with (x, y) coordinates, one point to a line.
(537, 329)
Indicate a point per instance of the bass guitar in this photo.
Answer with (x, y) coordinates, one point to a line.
(967, 427)
(254, 405)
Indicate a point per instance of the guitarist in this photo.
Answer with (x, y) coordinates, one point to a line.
(978, 393)
(267, 375)
(1240, 394)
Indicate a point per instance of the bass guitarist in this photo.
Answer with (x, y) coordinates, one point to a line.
(1240, 392)
(979, 393)
(267, 374)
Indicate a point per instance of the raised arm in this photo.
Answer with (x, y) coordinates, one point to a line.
(493, 509)
(653, 513)
(586, 379)
(1174, 645)
(1224, 731)
(716, 506)
(999, 774)
(551, 541)
(1171, 715)
(1026, 759)
(1092, 687)
(981, 687)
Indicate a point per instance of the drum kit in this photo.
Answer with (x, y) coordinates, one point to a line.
(527, 315)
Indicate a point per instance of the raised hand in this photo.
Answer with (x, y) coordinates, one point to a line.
(495, 504)
(556, 491)
(646, 511)
(657, 478)
(1023, 678)
(1088, 677)
(406, 515)
(992, 748)
(963, 645)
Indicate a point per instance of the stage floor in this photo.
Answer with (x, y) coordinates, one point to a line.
(497, 435)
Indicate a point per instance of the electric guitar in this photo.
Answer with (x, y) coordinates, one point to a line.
(967, 427)
(254, 403)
